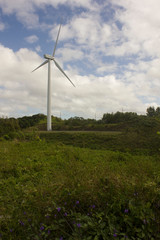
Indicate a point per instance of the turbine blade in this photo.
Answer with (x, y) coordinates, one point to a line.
(63, 72)
(56, 40)
(40, 65)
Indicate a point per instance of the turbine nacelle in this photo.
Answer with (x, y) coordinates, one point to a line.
(49, 57)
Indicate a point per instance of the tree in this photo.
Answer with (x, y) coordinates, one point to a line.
(118, 117)
(158, 111)
(151, 112)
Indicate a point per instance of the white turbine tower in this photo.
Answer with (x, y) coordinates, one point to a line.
(49, 59)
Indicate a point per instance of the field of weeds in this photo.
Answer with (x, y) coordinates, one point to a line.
(49, 190)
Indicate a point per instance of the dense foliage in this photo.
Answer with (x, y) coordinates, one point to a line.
(8, 125)
(119, 117)
(52, 191)
(152, 112)
(118, 121)
(29, 121)
(131, 141)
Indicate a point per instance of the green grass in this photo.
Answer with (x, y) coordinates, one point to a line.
(83, 131)
(131, 141)
(49, 190)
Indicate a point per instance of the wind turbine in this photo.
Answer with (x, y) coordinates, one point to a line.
(49, 59)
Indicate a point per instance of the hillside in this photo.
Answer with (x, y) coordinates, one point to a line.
(126, 132)
(86, 179)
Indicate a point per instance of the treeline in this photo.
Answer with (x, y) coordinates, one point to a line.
(8, 125)
(118, 121)
(30, 121)
(153, 112)
(119, 117)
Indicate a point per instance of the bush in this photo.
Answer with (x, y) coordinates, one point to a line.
(6, 137)
(13, 135)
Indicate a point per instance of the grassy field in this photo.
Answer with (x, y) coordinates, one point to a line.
(71, 132)
(132, 142)
(79, 186)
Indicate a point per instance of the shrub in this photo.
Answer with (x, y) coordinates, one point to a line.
(6, 137)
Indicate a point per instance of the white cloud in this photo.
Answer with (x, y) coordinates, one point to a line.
(22, 90)
(87, 37)
(18, 86)
(87, 4)
(85, 30)
(38, 48)
(140, 27)
(26, 11)
(105, 68)
(68, 54)
(125, 56)
(31, 39)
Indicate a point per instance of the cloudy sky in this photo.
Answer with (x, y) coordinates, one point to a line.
(110, 49)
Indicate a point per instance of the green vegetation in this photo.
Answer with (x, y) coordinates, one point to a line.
(118, 121)
(80, 184)
(49, 191)
(131, 141)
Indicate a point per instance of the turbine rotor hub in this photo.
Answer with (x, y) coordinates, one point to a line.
(49, 57)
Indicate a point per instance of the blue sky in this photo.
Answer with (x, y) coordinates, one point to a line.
(110, 49)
